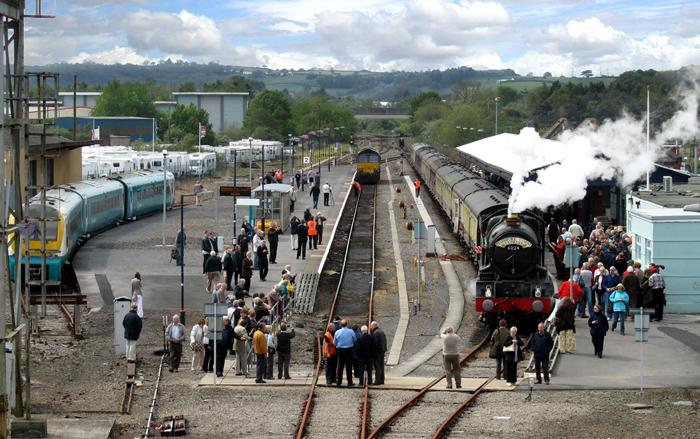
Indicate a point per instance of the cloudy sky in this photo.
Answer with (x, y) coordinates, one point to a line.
(605, 36)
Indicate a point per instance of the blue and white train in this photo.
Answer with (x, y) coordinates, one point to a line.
(85, 208)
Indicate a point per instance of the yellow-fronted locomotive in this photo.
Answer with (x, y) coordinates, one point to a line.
(368, 165)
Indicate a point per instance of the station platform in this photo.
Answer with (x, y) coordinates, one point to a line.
(671, 357)
(105, 264)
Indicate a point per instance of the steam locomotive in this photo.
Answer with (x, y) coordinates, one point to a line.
(508, 250)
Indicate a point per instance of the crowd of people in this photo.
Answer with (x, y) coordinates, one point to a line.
(606, 281)
(358, 351)
(247, 331)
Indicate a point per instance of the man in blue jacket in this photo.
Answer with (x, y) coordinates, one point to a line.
(542, 344)
(132, 329)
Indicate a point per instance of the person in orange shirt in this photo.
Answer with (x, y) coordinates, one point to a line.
(356, 184)
(417, 185)
(312, 233)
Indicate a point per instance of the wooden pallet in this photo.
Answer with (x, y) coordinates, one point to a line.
(305, 296)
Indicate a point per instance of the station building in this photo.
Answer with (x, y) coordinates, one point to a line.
(63, 166)
(664, 224)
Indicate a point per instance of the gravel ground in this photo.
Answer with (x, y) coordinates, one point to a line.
(84, 379)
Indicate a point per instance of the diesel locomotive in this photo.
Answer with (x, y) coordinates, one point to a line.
(85, 208)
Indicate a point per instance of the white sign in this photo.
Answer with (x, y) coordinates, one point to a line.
(307, 159)
(247, 202)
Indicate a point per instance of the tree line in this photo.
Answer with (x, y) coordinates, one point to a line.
(441, 119)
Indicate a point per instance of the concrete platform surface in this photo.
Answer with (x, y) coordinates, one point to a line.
(80, 428)
(671, 357)
(110, 254)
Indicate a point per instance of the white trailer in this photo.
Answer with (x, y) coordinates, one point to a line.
(201, 164)
(89, 169)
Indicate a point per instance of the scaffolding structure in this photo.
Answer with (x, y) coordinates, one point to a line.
(21, 90)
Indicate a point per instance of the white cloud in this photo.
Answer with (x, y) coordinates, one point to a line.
(183, 33)
(425, 34)
(588, 40)
(118, 55)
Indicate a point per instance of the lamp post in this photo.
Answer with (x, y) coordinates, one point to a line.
(335, 146)
(304, 137)
(470, 134)
(326, 149)
(165, 186)
(235, 167)
(262, 176)
(291, 161)
(465, 133)
(480, 130)
(497, 99)
(250, 173)
(250, 160)
(318, 154)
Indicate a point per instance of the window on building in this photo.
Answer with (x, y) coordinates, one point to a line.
(648, 255)
(638, 248)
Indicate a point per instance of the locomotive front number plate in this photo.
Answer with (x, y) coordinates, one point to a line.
(513, 241)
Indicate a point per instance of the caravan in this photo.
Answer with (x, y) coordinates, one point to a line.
(202, 163)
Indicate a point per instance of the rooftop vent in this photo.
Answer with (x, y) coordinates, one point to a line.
(668, 184)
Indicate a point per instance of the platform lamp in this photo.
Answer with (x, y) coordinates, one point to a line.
(291, 160)
(320, 133)
(497, 99)
(262, 176)
(165, 185)
(327, 142)
(301, 165)
(235, 178)
(335, 145)
(250, 173)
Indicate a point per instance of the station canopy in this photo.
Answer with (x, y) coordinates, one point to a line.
(500, 154)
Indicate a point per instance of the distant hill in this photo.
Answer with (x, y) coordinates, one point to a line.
(362, 84)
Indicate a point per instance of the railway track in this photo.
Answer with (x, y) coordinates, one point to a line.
(352, 300)
(441, 405)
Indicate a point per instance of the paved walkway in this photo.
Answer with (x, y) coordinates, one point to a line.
(671, 357)
(108, 258)
(454, 288)
(400, 334)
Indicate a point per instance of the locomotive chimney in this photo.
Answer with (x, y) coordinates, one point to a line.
(513, 220)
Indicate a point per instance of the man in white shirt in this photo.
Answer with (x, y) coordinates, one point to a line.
(326, 189)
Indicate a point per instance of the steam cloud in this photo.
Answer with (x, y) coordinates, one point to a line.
(614, 149)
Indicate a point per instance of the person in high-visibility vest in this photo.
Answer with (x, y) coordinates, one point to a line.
(357, 188)
(417, 184)
(278, 176)
(331, 355)
(311, 224)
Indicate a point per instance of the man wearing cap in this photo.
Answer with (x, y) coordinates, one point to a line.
(326, 193)
(657, 284)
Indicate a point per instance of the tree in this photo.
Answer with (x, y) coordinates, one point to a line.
(547, 75)
(587, 73)
(466, 91)
(128, 99)
(270, 109)
(187, 120)
(416, 102)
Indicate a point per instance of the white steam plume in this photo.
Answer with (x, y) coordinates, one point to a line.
(615, 149)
